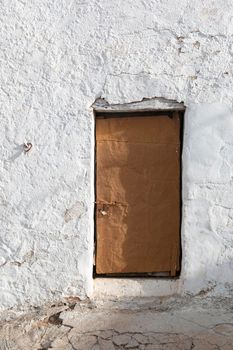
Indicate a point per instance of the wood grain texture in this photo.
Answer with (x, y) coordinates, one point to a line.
(138, 194)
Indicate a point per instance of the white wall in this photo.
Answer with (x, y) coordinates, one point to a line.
(207, 232)
(57, 57)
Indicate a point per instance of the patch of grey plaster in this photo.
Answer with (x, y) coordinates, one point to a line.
(147, 104)
(180, 323)
(75, 212)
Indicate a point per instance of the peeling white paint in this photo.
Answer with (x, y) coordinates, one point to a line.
(57, 57)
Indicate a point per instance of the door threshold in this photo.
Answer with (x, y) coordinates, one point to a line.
(115, 288)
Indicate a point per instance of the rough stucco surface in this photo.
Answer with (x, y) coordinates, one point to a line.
(207, 200)
(57, 57)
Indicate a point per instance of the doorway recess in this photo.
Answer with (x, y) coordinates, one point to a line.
(138, 189)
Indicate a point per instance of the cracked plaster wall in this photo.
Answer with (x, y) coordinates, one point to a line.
(57, 57)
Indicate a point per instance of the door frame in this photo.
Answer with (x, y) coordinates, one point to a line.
(169, 107)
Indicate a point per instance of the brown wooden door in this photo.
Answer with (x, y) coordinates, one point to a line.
(138, 194)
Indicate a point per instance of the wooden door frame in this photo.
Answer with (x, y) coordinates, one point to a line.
(135, 113)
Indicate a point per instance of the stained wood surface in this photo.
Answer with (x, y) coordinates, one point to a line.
(137, 194)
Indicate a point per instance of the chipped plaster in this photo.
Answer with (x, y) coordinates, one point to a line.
(57, 58)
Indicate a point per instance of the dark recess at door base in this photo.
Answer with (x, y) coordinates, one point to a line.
(138, 275)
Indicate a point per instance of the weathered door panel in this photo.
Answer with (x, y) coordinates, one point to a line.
(137, 194)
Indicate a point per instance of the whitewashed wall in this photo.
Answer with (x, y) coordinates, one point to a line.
(56, 58)
(207, 232)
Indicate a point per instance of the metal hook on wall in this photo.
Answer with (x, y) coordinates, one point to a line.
(27, 146)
